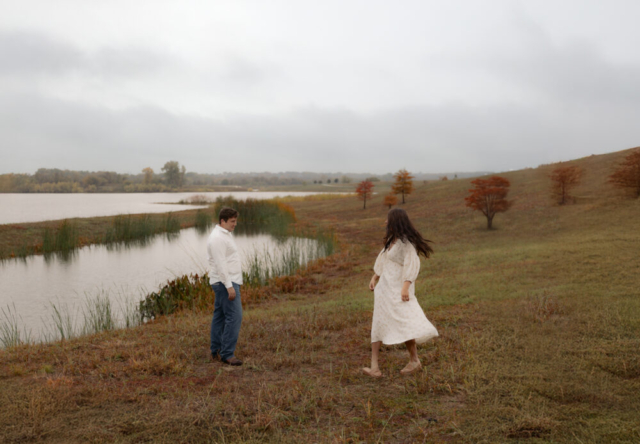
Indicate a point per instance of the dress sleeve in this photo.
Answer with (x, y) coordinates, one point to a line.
(378, 267)
(411, 265)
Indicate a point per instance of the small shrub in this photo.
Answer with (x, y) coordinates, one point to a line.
(186, 292)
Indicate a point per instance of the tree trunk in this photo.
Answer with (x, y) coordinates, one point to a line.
(364, 207)
(403, 197)
(489, 222)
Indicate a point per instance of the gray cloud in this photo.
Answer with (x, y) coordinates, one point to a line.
(422, 138)
(24, 53)
(32, 53)
(432, 86)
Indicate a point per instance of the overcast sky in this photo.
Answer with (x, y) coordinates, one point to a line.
(358, 86)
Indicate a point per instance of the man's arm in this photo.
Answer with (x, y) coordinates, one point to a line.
(217, 250)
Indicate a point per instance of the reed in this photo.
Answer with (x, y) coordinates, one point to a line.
(98, 314)
(170, 224)
(287, 258)
(10, 333)
(270, 216)
(62, 323)
(131, 228)
(63, 238)
(204, 220)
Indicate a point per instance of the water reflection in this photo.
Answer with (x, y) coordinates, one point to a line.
(62, 256)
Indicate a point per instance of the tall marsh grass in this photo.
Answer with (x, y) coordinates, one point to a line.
(267, 216)
(98, 313)
(204, 219)
(286, 259)
(62, 322)
(137, 228)
(11, 335)
(64, 238)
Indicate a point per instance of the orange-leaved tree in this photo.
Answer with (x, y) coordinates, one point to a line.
(364, 190)
(489, 197)
(390, 200)
(563, 179)
(403, 184)
(627, 175)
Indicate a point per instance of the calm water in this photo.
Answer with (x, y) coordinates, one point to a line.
(122, 273)
(22, 208)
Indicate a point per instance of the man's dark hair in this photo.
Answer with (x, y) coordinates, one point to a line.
(227, 213)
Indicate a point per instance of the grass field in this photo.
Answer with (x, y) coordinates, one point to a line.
(538, 322)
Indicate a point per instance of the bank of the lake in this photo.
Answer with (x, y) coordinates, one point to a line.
(24, 239)
(142, 253)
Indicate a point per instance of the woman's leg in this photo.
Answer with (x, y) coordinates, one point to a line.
(375, 352)
(414, 361)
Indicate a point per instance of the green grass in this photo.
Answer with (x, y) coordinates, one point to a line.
(64, 238)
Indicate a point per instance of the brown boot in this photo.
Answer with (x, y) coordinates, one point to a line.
(232, 361)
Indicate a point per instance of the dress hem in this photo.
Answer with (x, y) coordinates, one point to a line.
(420, 340)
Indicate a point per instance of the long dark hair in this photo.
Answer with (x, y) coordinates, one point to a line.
(399, 227)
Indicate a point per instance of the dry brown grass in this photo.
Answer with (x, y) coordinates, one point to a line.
(538, 318)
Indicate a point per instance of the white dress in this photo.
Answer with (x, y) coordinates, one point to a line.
(396, 321)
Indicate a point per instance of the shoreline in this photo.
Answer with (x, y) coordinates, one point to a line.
(20, 240)
(17, 239)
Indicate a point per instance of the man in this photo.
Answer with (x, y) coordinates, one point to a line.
(225, 276)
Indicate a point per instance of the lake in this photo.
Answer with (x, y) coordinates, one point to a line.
(122, 273)
(24, 207)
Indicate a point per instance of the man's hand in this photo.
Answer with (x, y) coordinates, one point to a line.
(405, 291)
(374, 281)
(232, 293)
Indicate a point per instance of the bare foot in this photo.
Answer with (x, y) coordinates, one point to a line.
(411, 367)
(374, 373)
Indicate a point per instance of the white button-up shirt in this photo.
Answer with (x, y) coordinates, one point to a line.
(224, 259)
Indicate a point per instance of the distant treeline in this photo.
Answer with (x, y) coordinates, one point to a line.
(172, 177)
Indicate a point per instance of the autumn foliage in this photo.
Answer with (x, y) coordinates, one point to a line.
(390, 200)
(364, 190)
(403, 184)
(489, 197)
(627, 175)
(563, 180)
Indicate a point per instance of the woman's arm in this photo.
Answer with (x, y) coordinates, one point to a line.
(405, 291)
(373, 282)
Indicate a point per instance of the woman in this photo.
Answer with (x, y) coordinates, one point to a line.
(397, 315)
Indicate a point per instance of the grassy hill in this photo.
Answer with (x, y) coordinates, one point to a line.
(538, 322)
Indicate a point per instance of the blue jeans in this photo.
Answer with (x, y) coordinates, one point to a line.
(227, 317)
